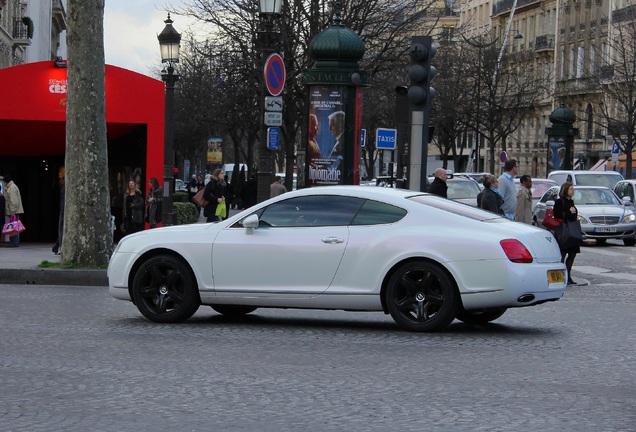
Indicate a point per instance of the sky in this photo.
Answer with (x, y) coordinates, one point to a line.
(130, 32)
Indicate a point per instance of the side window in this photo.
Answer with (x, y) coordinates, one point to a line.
(621, 190)
(308, 211)
(376, 213)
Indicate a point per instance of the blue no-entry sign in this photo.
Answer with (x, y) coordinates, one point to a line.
(275, 74)
(385, 139)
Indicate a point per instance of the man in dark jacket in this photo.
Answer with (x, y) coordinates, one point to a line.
(439, 186)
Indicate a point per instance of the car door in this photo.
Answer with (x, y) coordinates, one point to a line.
(294, 253)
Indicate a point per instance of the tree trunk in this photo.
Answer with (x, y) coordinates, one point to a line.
(87, 239)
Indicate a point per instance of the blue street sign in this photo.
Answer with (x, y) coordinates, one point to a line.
(615, 149)
(385, 139)
(272, 138)
(363, 137)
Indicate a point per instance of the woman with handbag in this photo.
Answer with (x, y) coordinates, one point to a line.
(565, 210)
(214, 193)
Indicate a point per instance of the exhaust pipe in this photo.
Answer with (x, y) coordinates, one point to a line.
(525, 298)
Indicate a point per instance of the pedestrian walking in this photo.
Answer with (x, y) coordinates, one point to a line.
(439, 186)
(508, 189)
(12, 206)
(524, 200)
(565, 209)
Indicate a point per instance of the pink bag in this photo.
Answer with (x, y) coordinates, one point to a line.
(13, 227)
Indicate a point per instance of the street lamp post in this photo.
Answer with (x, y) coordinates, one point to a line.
(269, 10)
(169, 41)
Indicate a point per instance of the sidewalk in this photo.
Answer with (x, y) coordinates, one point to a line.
(20, 266)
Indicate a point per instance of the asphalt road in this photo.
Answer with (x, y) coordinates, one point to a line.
(74, 359)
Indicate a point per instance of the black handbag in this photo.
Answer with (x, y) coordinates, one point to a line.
(569, 234)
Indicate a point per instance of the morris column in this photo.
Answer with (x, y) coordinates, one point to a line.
(334, 107)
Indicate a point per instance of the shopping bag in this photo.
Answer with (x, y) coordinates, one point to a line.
(569, 234)
(13, 227)
(199, 200)
(549, 221)
(221, 209)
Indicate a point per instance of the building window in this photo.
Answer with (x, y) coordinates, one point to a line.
(580, 62)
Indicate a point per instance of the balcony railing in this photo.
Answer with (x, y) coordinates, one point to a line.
(607, 72)
(22, 28)
(506, 5)
(545, 42)
(624, 14)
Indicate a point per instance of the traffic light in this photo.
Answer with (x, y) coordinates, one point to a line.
(421, 72)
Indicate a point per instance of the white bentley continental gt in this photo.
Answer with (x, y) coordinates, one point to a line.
(421, 258)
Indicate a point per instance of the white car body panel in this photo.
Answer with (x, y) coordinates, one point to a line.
(302, 268)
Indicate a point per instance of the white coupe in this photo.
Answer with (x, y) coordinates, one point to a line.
(421, 258)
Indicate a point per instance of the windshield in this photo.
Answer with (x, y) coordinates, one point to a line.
(595, 197)
(538, 189)
(462, 189)
(608, 180)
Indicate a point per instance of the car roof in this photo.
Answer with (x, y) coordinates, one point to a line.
(584, 172)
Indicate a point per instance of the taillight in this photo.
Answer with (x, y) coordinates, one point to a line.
(516, 251)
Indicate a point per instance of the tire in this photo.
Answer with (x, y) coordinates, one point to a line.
(601, 241)
(480, 317)
(629, 242)
(164, 290)
(233, 310)
(421, 297)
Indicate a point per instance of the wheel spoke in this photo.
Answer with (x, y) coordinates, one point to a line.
(155, 274)
(162, 303)
(405, 303)
(149, 291)
(408, 284)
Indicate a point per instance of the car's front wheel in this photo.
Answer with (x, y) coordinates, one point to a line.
(629, 242)
(233, 310)
(421, 296)
(164, 290)
(480, 317)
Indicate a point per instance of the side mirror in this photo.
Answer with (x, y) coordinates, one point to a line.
(549, 204)
(627, 200)
(249, 223)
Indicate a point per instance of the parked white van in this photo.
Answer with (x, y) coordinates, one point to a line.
(587, 178)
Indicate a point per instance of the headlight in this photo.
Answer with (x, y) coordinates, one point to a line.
(629, 218)
(583, 220)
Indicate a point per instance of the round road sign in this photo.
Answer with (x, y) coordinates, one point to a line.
(275, 74)
(503, 156)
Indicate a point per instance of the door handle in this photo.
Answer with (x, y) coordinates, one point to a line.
(332, 240)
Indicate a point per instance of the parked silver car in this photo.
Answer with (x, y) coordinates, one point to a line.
(601, 213)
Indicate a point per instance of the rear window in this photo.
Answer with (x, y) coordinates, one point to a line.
(456, 207)
(608, 180)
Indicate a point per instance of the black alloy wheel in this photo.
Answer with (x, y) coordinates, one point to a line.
(422, 297)
(164, 290)
(480, 317)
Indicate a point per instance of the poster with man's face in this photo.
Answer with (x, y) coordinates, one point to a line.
(325, 148)
(556, 152)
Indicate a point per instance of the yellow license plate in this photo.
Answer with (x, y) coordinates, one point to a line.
(556, 276)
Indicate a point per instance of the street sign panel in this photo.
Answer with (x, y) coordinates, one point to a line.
(363, 137)
(385, 139)
(273, 118)
(615, 152)
(275, 74)
(503, 156)
(272, 138)
(274, 103)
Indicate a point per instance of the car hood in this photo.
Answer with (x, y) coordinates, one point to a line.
(602, 210)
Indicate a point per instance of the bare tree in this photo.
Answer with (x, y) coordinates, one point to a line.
(509, 90)
(87, 236)
(617, 80)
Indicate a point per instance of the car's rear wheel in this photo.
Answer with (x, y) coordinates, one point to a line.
(480, 317)
(421, 297)
(233, 310)
(164, 290)
(629, 242)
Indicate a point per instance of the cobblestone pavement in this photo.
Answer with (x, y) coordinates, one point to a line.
(74, 359)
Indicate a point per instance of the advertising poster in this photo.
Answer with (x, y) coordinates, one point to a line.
(326, 133)
(556, 153)
(215, 150)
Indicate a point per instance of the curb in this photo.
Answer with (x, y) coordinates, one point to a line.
(54, 277)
